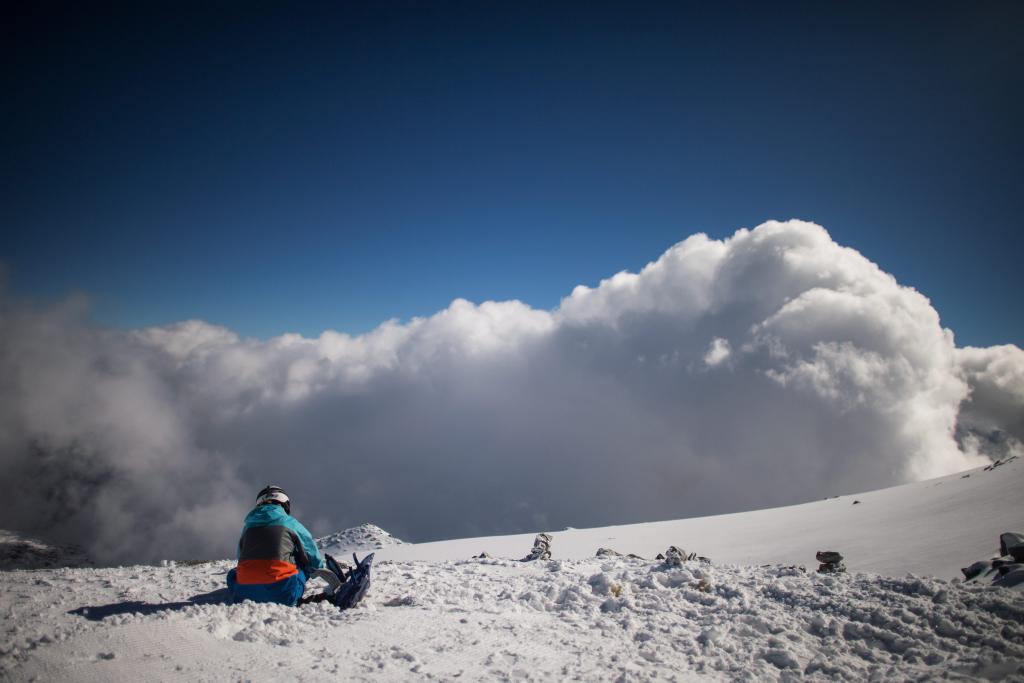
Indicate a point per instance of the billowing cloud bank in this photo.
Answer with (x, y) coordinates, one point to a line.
(772, 367)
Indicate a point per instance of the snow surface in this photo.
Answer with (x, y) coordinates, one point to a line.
(433, 612)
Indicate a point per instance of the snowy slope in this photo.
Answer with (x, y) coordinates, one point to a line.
(931, 527)
(434, 613)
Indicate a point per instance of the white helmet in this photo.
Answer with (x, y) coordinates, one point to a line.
(274, 494)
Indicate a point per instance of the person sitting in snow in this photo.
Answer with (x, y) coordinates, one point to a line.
(276, 554)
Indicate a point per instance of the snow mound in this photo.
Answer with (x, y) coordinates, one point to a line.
(360, 538)
(23, 552)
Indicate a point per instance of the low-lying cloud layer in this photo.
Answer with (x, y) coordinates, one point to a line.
(768, 368)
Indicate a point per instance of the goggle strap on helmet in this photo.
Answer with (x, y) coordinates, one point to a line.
(274, 494)
(270, 488)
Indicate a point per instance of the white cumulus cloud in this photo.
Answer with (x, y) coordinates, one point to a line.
(497, 417)
(718, 351)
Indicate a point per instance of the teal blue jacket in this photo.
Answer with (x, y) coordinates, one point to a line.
(274, 515)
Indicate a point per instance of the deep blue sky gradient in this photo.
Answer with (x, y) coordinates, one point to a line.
(276, 167)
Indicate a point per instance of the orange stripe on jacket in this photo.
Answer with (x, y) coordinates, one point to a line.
(264, 571)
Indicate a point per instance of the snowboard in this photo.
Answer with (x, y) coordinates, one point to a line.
(355, 586)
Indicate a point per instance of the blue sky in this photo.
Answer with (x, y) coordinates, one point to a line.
(280, 168)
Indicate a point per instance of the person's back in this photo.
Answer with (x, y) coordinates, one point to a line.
(276, 554)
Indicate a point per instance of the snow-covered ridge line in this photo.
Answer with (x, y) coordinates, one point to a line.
(932, 527)
(20, 551)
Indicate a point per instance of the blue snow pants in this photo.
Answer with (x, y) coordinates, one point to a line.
(285, 592)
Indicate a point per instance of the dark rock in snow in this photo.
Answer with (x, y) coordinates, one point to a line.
(541, 549)
(608, 552)
(831, 562)
(675, 556)
(1012, 578)
(976, 569)
(1012, 544)
(1006, 571)
(1000, 463)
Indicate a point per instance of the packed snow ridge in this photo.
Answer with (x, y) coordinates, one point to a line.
(362, 538)
(437, 612)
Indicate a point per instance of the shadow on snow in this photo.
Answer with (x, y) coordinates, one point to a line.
(221, 596)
